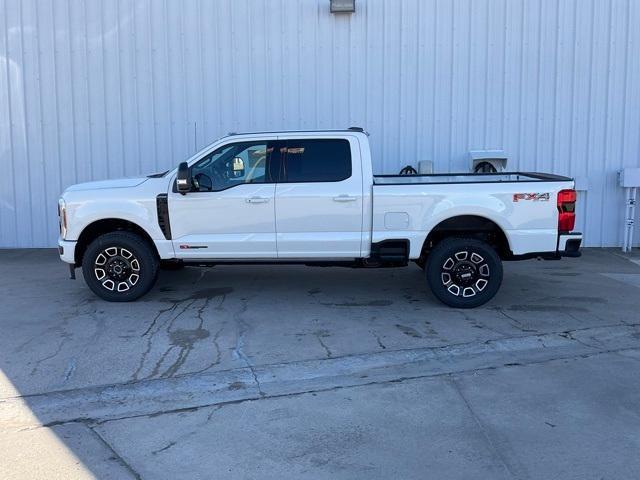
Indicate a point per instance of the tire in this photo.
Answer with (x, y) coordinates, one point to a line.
(120, 266)
(464, 272)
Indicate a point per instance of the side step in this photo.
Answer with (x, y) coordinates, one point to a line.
(395, 251)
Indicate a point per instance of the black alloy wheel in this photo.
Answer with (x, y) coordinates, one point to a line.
(464, 272)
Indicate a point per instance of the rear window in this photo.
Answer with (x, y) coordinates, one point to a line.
(321, 160)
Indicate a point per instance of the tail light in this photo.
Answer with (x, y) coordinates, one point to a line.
(566, 210)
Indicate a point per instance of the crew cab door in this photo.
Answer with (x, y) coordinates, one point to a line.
(319, 198)
(230, 211)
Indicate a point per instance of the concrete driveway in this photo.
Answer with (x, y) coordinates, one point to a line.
(310, 372)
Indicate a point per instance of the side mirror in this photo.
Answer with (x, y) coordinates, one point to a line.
(183, 179)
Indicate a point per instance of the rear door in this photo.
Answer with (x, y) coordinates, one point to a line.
(319, 198)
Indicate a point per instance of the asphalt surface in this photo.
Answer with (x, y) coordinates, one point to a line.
(310, 372)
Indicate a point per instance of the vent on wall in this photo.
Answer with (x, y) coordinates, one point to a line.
(488, 161)
(342, 6)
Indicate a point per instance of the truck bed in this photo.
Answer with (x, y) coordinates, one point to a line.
(521, 204)
(440, 178)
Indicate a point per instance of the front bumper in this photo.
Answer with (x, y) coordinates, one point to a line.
(67, 250)
(569, 244)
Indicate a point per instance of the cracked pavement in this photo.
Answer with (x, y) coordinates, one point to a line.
(309, 372)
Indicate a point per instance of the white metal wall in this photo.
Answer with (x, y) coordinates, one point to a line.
(99, 89)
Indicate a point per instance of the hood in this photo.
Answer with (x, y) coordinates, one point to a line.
(119, 183)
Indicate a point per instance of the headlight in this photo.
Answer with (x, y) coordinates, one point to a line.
(62, 218)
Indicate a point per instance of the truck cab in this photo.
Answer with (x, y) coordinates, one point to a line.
(269, 196)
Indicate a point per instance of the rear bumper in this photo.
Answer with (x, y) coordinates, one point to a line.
(67, 251)
(569, 244)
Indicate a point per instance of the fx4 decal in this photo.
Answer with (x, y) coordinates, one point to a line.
(536, 197)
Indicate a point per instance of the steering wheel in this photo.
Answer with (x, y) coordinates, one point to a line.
(202, 180)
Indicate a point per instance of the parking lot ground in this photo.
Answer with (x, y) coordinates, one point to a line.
(310, 372)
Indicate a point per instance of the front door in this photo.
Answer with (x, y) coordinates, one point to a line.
(230, 211)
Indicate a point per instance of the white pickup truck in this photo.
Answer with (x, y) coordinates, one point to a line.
(312, 198)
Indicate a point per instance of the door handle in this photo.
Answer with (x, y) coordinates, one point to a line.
(344, 198)
(257, 200)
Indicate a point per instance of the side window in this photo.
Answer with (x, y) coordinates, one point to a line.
(316, 160)
(234, 164)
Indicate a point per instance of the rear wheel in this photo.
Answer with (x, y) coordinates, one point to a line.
(120, 267)
(464, 272)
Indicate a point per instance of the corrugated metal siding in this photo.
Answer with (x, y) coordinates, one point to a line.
(101, 89)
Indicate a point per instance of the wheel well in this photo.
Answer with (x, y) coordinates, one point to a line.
(468, 226)
(107, 225)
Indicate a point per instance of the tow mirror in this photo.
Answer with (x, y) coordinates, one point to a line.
(183, 179)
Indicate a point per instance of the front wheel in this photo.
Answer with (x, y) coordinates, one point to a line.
(120, 266)
(464, 272)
